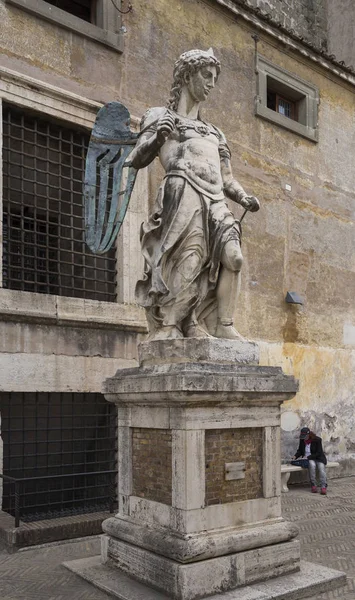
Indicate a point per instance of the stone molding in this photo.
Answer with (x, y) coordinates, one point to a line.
(184, 384)
(61, 310)
(186, 548)
(52, 100)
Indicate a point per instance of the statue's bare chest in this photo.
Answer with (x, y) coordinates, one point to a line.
(186, 129)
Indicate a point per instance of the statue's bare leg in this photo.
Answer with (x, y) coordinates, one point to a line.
(228, 290)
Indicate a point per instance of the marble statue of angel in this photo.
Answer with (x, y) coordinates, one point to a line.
(191, 241)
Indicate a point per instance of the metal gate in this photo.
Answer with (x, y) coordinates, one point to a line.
(60, 449)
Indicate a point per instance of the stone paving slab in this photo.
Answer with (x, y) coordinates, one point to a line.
(327, 534)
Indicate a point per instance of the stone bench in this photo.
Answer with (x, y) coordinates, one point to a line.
(286, 471)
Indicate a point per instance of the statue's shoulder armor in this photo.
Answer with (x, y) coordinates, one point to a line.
(150, 119)
(224, 149)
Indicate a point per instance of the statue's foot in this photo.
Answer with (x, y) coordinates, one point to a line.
(167, 332)
(196, 331)
(226, 331)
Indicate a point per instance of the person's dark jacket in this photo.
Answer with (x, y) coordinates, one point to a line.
(316, 450)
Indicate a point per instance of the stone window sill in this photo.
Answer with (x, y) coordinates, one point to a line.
(63, 19)
(285, 122)
(60, 310)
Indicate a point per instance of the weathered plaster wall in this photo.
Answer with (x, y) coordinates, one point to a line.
(301, 240)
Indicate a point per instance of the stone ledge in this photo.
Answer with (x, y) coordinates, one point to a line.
(311, 579)
(32, 307)
(50, 530)
(186, 383)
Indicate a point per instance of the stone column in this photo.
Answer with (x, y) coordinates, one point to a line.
(199, 469)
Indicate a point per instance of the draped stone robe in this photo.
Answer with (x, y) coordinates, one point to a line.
(183, 239)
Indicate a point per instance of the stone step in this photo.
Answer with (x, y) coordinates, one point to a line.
(310, 580)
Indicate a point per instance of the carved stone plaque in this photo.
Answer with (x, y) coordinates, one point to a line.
(234, 470)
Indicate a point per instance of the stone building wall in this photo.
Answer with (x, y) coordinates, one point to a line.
(340, 30)
(302, 239)
(307, 18)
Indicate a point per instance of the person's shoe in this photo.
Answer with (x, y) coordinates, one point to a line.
(314, 489)
(323, 491)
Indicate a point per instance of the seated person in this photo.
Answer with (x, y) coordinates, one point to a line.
(310, 447)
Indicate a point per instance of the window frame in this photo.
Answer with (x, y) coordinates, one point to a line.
(294, 89)
(107, 29)
(33, 94)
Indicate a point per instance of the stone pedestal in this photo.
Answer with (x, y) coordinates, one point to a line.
(199, 480)
(199, 469)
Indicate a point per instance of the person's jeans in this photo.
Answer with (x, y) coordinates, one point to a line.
(313, 464)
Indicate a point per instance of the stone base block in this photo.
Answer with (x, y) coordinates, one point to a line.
(187, 548)
(205, 350)
(311, 580)
(206, 577)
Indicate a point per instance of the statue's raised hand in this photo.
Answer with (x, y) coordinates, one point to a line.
(251, 203)
(164, 128)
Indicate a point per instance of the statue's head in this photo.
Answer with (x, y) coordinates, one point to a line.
(186, 67)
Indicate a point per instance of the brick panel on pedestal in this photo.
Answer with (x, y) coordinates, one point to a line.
(233, 445)
(152, 464)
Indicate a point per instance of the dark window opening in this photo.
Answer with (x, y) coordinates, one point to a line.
(84, 9)
(281, 105)
(62, 448)
(43, 212)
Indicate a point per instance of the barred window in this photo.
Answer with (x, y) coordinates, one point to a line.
(62, 447)
(43, 227)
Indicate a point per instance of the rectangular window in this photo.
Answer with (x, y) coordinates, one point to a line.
(287, 100)
(98, 20)
(43, 226)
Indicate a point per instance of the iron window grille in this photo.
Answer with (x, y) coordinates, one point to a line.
(43, 226)
(62, 449)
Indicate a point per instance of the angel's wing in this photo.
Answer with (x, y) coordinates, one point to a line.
(106, 191)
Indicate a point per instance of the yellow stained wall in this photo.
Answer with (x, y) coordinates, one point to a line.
(302, 240)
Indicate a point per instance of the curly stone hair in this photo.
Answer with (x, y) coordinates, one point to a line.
(189, 62)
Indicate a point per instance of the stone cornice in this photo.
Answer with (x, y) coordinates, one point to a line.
(24, 90)
(264, 22)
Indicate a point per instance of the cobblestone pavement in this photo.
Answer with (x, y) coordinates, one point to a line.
(327, 529)
(327, 533)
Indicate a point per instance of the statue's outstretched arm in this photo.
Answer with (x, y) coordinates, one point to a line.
(233, 190)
